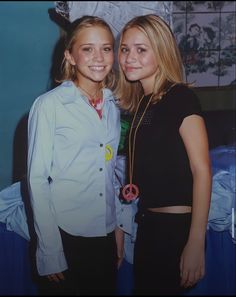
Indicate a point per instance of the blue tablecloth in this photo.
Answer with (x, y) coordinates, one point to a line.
(220, 277)
(15, 264)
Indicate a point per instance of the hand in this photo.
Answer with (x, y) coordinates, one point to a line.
(120, 245)
(192, 264)
(56, 277)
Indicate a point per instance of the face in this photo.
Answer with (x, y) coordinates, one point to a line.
(92, 54)
(137, 58)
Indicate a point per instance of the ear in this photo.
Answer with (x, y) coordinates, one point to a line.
(69, 57)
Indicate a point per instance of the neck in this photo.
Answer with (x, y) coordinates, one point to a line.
(148, 85)
(92, 93)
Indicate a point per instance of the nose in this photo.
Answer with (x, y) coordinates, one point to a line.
(98, 55)
(130, 57)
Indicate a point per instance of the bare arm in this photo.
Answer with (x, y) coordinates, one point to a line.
(194, 135)
(120, 245)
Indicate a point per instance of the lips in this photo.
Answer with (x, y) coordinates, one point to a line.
(97, 68)
(131, 69)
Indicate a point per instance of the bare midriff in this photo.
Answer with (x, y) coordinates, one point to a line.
(172, 209)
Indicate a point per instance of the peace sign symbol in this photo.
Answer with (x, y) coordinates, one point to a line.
(130, 192)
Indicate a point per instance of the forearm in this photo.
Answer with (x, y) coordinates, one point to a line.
(120, 245)
(201, 204)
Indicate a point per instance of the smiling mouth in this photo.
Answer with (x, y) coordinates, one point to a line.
(97, 68)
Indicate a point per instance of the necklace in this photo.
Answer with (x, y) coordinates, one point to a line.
(131, 191)
(97, 103)
(91, 97)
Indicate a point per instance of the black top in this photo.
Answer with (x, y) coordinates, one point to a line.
(161, 165)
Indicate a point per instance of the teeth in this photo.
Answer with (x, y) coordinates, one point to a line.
(97, 68)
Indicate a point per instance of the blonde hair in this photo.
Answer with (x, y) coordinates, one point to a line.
(170, 67)
(68, 71)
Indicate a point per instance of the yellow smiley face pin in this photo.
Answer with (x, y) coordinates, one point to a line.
(108, 152)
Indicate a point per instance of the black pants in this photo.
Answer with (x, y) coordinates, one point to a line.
(91, 266)
(160, 240)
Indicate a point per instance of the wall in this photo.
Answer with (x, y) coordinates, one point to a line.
(28, 38)
(27, 48)
(205, 31)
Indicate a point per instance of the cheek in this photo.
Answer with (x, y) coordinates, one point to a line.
(111, 58)
(82, 58)
(121, 60)
(150, 62)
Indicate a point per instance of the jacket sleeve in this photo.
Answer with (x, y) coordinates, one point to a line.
(41, 126)
(124, 212)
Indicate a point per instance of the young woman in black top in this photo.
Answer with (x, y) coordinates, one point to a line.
(169, 165)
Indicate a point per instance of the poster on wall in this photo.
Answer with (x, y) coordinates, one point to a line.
(116, 13)
(204, 30)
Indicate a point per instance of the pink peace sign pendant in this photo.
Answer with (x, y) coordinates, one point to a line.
(130, 192)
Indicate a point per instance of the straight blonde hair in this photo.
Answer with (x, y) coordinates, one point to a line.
(68, 71)
(170, 67)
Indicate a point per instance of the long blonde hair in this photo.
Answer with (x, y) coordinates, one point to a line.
(170, 67)
(68, 71)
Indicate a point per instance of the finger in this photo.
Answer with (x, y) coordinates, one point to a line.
(189, 284)
(199, 275)
(51, 277)
(202, 272)
(119, 262)
(184, 277)
(60, 276)
(55, 277)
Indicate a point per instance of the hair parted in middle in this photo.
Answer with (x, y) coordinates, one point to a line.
(69, 71)
(170, 66)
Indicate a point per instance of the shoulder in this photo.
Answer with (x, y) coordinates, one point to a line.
(108, 95)
(183, 91)
(111, 99)
(183, 95)
(183, 101)
(63, 93)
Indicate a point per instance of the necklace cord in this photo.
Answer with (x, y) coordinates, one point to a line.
(91, 97)
(131, 156)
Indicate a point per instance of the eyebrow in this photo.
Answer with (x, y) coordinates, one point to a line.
(95, 43)
(136, 44)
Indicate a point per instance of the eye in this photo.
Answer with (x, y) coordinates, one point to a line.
(87, 49)
(141, 50)
(107, 49)
(124, 50)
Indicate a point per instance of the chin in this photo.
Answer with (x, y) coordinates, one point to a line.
(97, 78)
(132, 77)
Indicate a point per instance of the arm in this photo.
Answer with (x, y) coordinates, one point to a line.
(193, 133)
(120, 245)
(124, 212)
(49, 255)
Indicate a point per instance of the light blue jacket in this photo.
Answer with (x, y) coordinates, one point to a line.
(71, 183)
